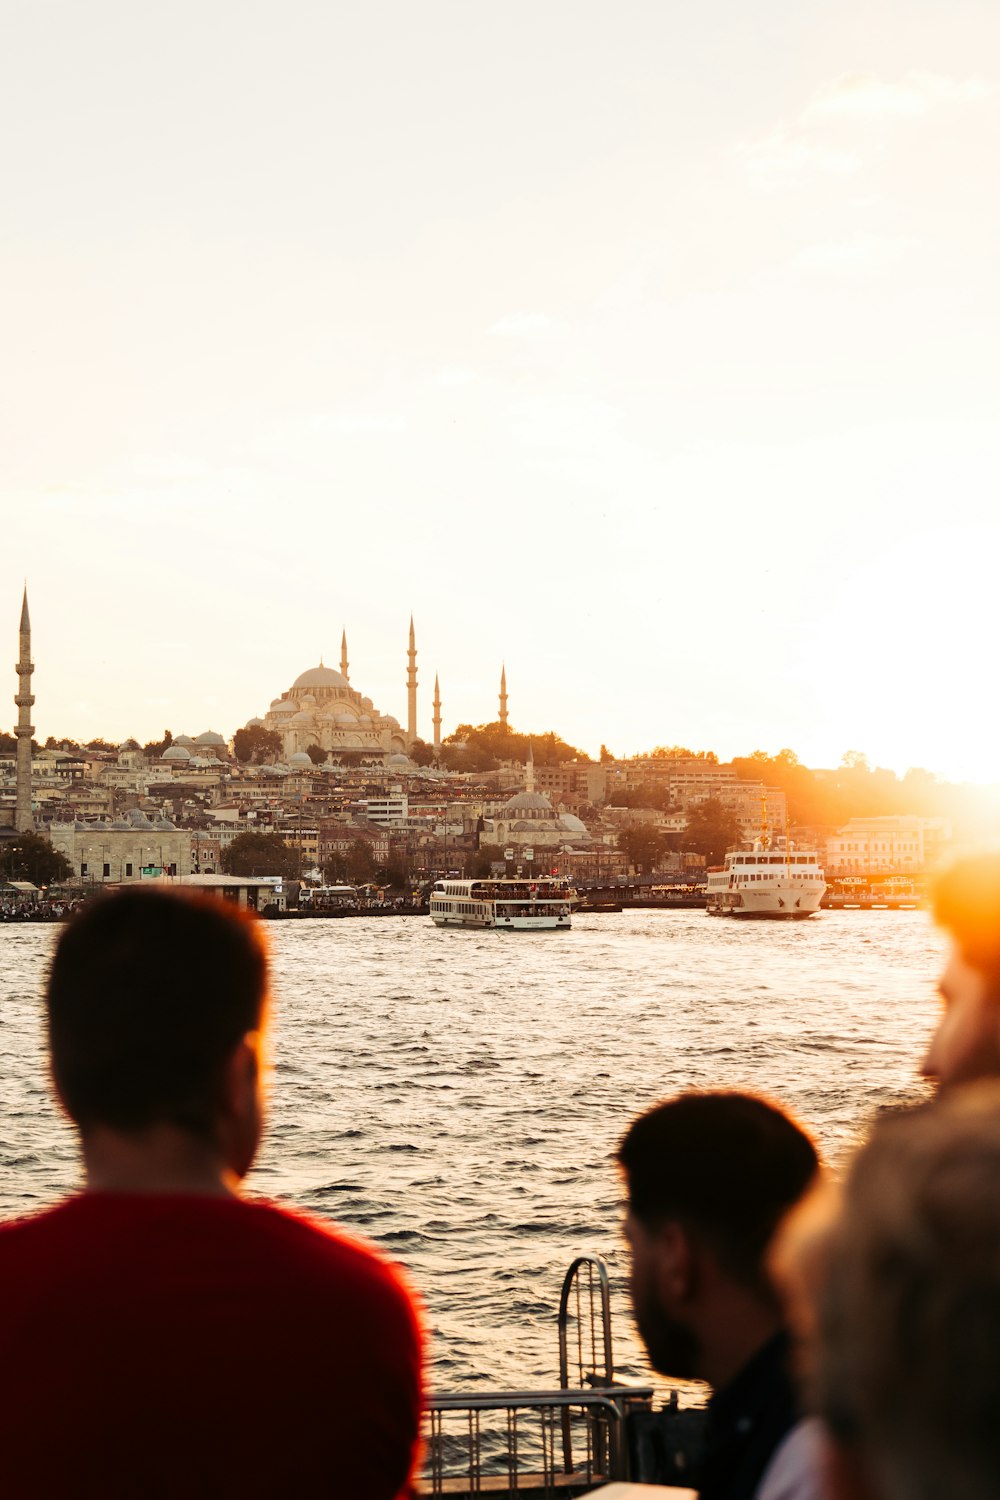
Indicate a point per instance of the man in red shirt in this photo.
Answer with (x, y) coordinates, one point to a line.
(160, 1335)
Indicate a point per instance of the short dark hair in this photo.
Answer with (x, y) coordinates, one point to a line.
(726, 1165)
(967, 904)
(148, 994)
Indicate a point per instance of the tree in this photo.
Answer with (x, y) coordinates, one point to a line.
(260, 854)
(642, 846)
(606, 756)
(29, 856)
(257, 746)
(360, 863)
(485, 745)
(8, 744)
(155, 748)
(711, 829)
(102, 747)
(421, 753)
(316, 753)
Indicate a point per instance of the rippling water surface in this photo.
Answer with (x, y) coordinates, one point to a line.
(458, 1096)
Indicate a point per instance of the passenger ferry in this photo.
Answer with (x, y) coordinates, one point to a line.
(766, 882)
(511, 905)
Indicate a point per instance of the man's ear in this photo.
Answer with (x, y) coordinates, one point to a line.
(676, 1265)
(241, 1073)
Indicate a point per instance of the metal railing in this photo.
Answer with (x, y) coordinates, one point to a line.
(542, 1443)
(513, 1443)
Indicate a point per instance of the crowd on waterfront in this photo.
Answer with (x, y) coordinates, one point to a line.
(848, 1333)
(37, 908)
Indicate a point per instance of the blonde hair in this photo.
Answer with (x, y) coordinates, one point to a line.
(909, 1313)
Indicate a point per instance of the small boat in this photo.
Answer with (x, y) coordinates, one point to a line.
(766, 882)
(508, 905)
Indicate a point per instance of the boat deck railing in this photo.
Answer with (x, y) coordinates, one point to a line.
(542, 1443)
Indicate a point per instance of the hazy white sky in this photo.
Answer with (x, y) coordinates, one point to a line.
(652, 348)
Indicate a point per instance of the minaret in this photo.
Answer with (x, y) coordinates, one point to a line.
(411, 687)
(503, 695)
(343, 657)
(23, 820)
(437, 714)
(529, 771)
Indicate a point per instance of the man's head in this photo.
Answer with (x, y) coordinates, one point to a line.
(709, 1177)
(156, 1002)
(909, 1311)
(966, 1043)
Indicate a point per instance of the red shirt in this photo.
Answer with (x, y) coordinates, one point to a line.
(185, 1346)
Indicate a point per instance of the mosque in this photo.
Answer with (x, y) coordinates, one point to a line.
(322, 708)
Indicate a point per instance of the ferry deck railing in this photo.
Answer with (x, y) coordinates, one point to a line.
(543, 1443)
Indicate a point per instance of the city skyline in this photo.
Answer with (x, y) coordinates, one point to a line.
(652, 357)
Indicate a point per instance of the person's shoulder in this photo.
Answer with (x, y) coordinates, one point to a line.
(796, 1469)
(324, 1250)
(40, 1224)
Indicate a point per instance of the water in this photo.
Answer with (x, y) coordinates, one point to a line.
(457, 1097)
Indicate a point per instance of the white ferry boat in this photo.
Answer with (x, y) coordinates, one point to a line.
(766, 883)
(511, 905)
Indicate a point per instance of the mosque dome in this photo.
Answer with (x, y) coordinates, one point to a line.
(255, 724)
(176, 752)
(533, 803)
(301, 718)
(399, 762)
(282, 706)
(209, 738)
(319, 677)
(300, 758)
(574, 825)
(184, 740)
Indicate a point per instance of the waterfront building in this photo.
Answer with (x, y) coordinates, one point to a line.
(122, 850)
(901, 845)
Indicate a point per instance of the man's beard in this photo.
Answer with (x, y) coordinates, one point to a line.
(672, 1347)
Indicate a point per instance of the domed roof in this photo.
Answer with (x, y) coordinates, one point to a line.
(301, 718)
(300, 758)
(573, 824)
(319, 677)
(401, 762)
(282, 706)
(209, 738)
(176, 752)
(255, 724)
(182, 739)
(529, 802)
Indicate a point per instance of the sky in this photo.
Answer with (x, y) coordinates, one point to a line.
(651, 349)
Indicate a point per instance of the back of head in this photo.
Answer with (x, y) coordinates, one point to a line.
(910, 1310)
(728, 1166)
(148, 994)
(967, 905)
